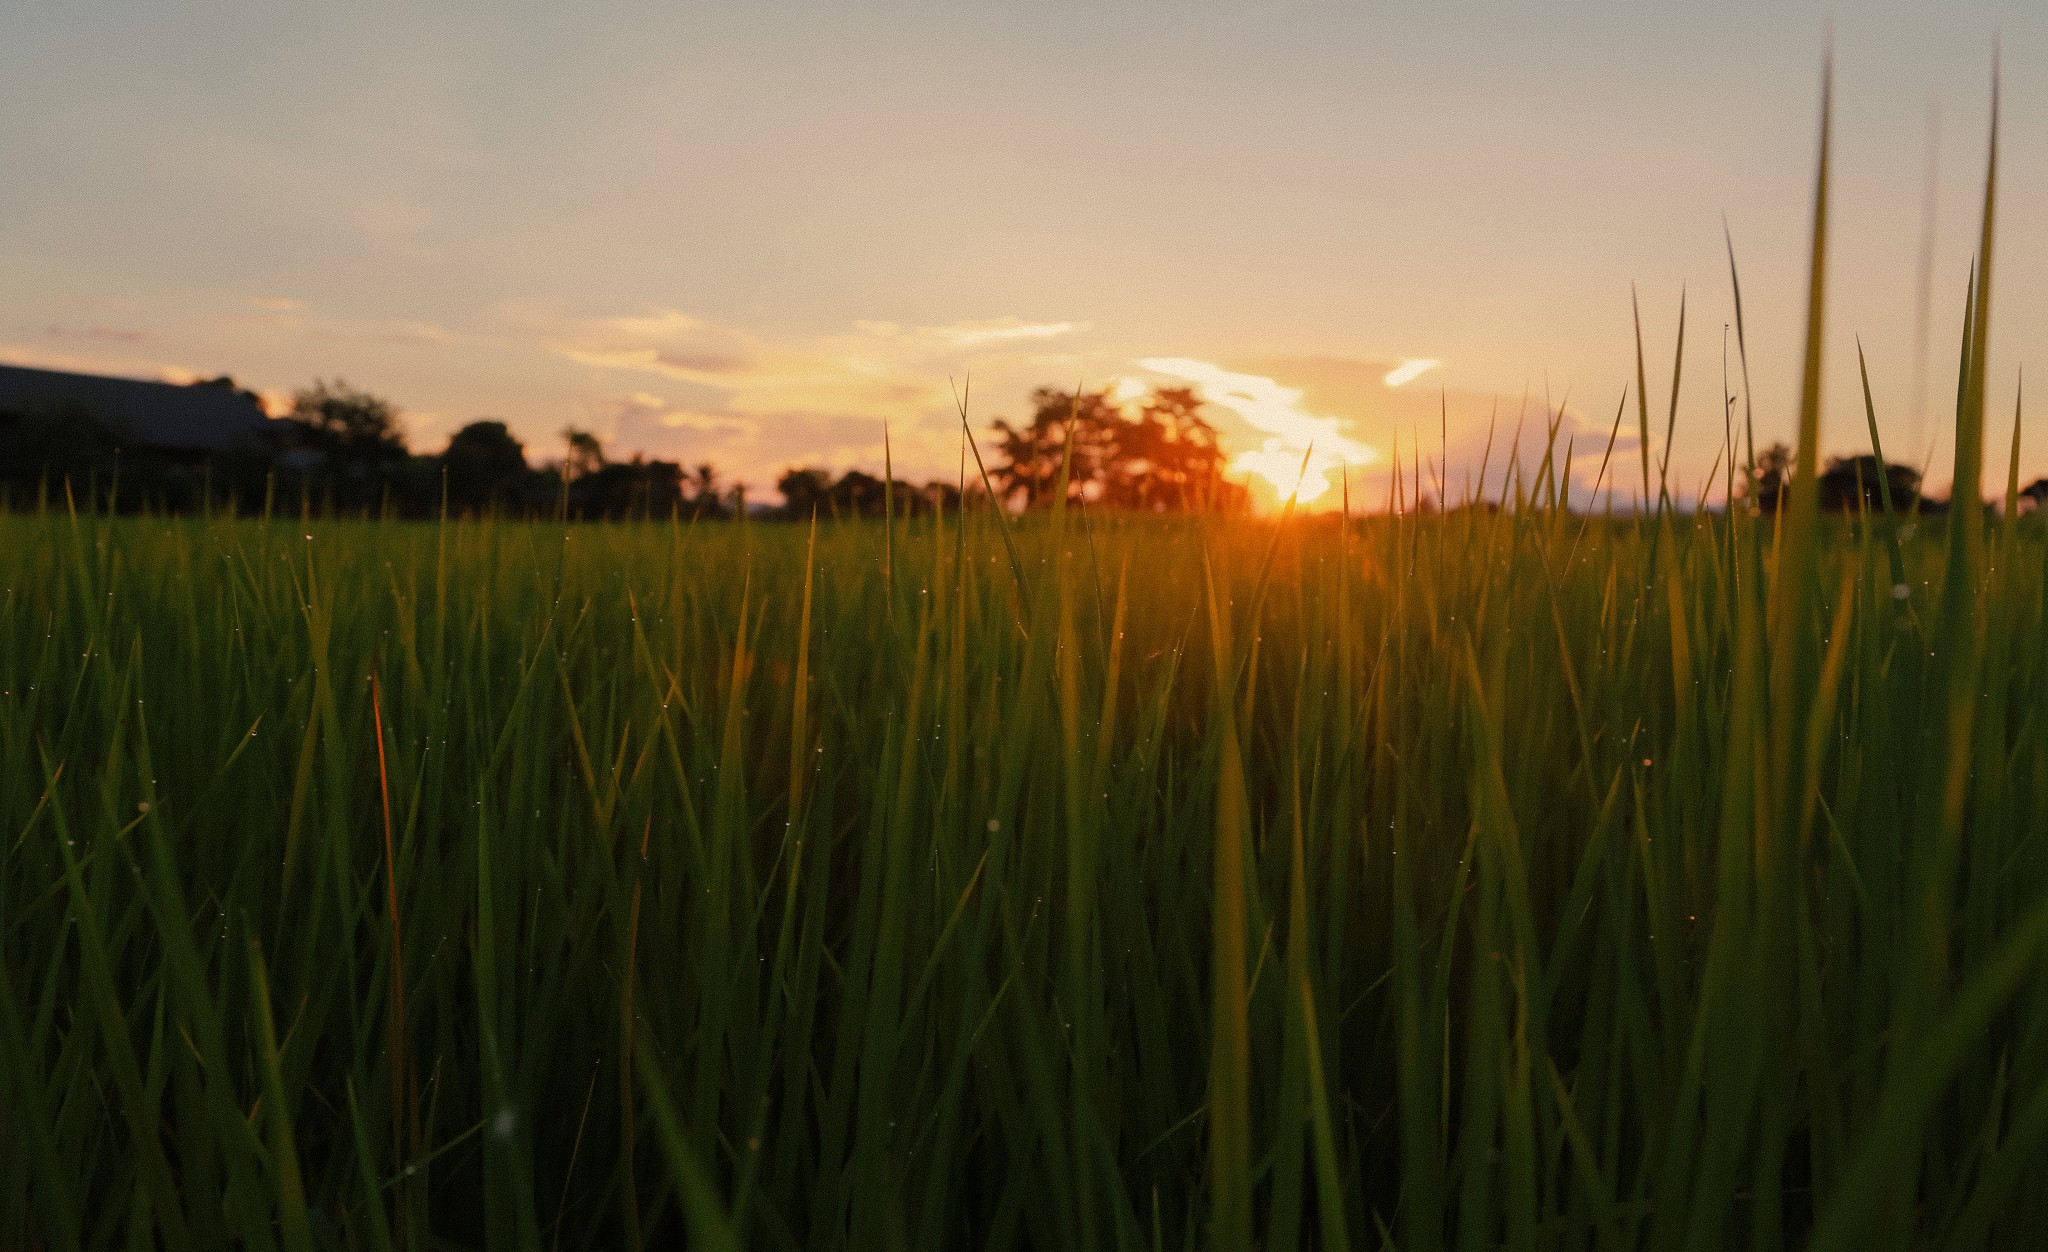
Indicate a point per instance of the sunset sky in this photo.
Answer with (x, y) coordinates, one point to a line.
(749, 234)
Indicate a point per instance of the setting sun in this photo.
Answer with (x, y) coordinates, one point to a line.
(1302, 452)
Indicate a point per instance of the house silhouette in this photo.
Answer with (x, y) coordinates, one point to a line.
(192, 422)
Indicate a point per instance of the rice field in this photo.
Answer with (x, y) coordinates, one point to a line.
(1469, 879)
(1441, 881)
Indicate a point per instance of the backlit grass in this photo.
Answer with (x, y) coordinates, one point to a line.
(733, 896)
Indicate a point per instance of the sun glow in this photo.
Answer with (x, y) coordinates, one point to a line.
(1300, 447)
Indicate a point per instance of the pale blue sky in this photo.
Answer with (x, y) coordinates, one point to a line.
(750, 233)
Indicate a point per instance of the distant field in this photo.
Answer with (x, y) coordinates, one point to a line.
(1090, 882)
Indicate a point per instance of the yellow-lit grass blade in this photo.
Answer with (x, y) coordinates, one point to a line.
(1083, 961)
(800, 687)
(1962, 639)
(1329, 1184)
(284, 1153)
(403, 1098)
(1613, 433)
(1878, 1186)
(1742, 359)
(1642, 396)
(1792, 594)
(2012, 465)
(1893, 552)
(1966, 499)
(888, 529)
(1892, 1145)
(1302, 1025)
(709, 1227)
(1671, 422)
(1066, 475)
(1230, 1165)
(1002, 514)
(1286, 1160)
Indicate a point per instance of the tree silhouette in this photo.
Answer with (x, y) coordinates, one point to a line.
(226, 382)
(586, 454)
(1163, 457)
(810, 491)
(485, 466)
(348, 425)
(1850, 483)
(1033, 456)
(1169, 457)
(705, 499)
(1847, 484)
(805, 492)
(626, 489)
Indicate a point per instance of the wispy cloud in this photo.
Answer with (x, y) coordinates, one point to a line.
(1409, 370)
(679, 345)
(1004, 330)
(664, 342)
(418, 335)
(970, 334)
(102, 334)
(624, 417)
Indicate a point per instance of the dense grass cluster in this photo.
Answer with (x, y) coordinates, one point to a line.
(1445, 881)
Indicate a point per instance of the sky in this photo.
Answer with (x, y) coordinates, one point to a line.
(754, 234)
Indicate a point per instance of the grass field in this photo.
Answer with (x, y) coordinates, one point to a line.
(1447, 880)
(1676, 880)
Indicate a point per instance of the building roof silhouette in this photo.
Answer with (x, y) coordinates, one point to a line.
(156, 415)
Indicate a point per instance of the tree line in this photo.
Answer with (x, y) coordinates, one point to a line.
(342, 450)
(1857, 484)
(1156, 454)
